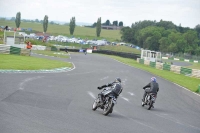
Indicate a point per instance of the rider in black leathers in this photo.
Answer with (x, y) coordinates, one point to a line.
(116, 88)
(153, 87)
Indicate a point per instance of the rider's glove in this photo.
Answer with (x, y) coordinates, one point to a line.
(143, 87)
(99, 88)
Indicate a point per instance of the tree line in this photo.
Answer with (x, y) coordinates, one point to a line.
(45, 22)
(163, 36)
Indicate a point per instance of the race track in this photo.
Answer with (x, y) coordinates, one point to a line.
(62, 102)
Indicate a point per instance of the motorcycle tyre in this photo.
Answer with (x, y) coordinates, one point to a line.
(109, 109)
(150, 105)
(94, 105)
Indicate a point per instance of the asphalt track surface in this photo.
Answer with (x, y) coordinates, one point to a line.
(62, 102)
(178, 63)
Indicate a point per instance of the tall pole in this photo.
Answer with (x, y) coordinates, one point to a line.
(14, 37)
(4, 37)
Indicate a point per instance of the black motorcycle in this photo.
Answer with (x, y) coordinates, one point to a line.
(109, 100)
(149, 100)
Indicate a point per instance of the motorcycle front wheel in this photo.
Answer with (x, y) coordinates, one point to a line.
(94, 106)
(108, 107)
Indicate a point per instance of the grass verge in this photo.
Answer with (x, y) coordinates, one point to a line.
(119, 48)
(187, 82)
(16, 62)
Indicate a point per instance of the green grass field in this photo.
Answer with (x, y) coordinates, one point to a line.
(82, 32)
(16, 62)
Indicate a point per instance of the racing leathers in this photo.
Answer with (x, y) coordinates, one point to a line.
(151, 87)
(116, 89)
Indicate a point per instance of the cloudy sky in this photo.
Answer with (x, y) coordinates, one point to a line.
(184, 12)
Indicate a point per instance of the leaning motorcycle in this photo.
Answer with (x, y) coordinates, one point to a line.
(149, 100)
(109, 100)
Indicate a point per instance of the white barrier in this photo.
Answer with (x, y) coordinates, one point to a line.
(146, 62)
(159, 65)
(38, 47)
(5, 49)
(176, 59)
(164, 57)
(89, 50)
(176, 69)
(196, 73)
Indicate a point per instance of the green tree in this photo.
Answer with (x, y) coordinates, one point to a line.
(164, 44)
(115, 23)
(94, 25)
(36, 20)
(72, 25)
(98, 27)
(18, 19)
(191, 41)
(45, 23)
(107, 22)
(173, 48)
(197, 28)
(127, 34)
(166, 24)
(12, 19)
(120, 23)
(149, 37)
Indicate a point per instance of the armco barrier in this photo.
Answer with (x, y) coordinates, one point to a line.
(121, 54)
(186, 71)
(166, 67)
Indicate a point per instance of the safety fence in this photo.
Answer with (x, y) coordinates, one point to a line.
(176, 69)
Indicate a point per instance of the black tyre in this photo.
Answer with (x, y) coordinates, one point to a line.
(108, 107)
(150, 105)
(94, 106)
(142, 104)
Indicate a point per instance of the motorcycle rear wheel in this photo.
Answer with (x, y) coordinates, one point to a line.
(109, 108)
(150, 105)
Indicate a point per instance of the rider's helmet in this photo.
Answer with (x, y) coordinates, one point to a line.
(118, 80)
(153, 79)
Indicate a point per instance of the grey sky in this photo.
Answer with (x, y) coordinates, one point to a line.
(184, 12)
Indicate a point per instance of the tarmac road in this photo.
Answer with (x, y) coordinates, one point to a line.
(62, 102)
